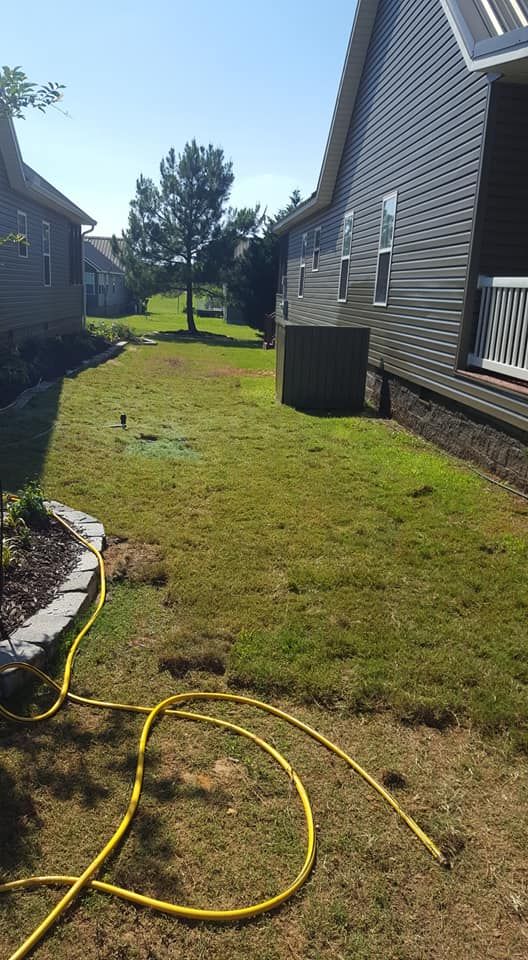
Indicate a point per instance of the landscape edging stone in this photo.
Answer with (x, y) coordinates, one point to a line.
(36, 640)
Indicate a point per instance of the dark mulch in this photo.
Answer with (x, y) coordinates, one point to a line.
(34, 579)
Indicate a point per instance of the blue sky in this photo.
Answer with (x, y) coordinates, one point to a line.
(258, 78)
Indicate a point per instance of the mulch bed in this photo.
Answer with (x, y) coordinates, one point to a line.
(34, 579)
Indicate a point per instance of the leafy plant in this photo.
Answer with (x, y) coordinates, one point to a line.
(17, 93)
(30, 507)
(110, 330)
(8, 554)
(18, 527)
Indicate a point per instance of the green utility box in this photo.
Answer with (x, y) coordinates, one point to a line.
(321, 367)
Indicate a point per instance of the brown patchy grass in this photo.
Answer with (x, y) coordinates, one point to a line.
(135, 562)
(220, 826)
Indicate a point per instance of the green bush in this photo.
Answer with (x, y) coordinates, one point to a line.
(29, 508)
(112, 330)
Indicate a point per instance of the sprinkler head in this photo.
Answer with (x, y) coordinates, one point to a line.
(123, 419)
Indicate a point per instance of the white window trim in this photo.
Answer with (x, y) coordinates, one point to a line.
(388, 196)
(349, 214)
(23, 256)
(304, 245)
(316, 249)
(45, 223)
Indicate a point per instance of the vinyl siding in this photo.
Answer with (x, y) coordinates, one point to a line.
(418, 127)
(27, 307)
(107, 303)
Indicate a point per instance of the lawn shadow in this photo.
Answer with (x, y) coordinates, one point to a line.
(368, 413)
(25, 436)
(207, 339)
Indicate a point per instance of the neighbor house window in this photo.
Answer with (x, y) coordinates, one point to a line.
(316, 250)
(302, 268)
(89, 279)
(22, 230)
(113, 284)
(386, 241)
(46, 254)
(348, 225)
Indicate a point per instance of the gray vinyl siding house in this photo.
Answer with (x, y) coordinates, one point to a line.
(41, 281)
(432, 117)
(107, 294)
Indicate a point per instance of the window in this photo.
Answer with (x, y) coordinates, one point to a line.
(348, 225)
(113, 284)
(22, 230)
(89, 279)
(283, 269)
(316, 250)
(302, 268)
(386, 241)
(46, 254)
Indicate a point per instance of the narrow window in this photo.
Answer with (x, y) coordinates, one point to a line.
(302, 268)
(89, 279)
(386, 241)
(46, 254)
(344, 274)
(22, 230)
(316, 250)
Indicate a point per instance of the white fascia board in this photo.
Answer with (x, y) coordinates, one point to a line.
(486, 55)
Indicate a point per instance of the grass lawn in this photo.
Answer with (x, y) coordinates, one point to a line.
(337, 566)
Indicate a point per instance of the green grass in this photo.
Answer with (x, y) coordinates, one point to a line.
(339, 566)
(346, 560)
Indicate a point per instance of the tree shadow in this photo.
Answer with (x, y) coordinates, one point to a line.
(207, 339)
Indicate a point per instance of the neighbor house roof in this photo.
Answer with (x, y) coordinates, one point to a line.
(99, 260)
(476, 25)
(24, 180)
(104, 246)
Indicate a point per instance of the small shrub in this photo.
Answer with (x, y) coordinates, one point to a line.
(30, 507)
(112, 330)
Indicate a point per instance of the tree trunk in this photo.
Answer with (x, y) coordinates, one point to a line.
(189, 308)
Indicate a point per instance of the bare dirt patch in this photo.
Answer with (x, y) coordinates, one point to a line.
(134, 561)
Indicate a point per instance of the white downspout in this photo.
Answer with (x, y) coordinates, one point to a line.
(83, 235)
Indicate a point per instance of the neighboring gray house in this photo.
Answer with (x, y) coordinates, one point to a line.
(418, 228)
(41, 283)
(107, 294)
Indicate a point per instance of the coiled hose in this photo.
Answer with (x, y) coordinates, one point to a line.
(170, 707)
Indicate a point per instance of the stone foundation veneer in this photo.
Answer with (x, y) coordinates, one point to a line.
(496, 448)
(35, 641)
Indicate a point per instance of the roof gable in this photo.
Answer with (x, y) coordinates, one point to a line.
(104, 246)
(24, 180)
(505, 52)
(97, 258)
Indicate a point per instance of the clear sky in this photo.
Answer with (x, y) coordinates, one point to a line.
(257, 77)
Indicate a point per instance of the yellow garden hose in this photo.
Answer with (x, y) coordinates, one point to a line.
(87, 879)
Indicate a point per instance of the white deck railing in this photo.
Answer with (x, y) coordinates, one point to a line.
(501, 343)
